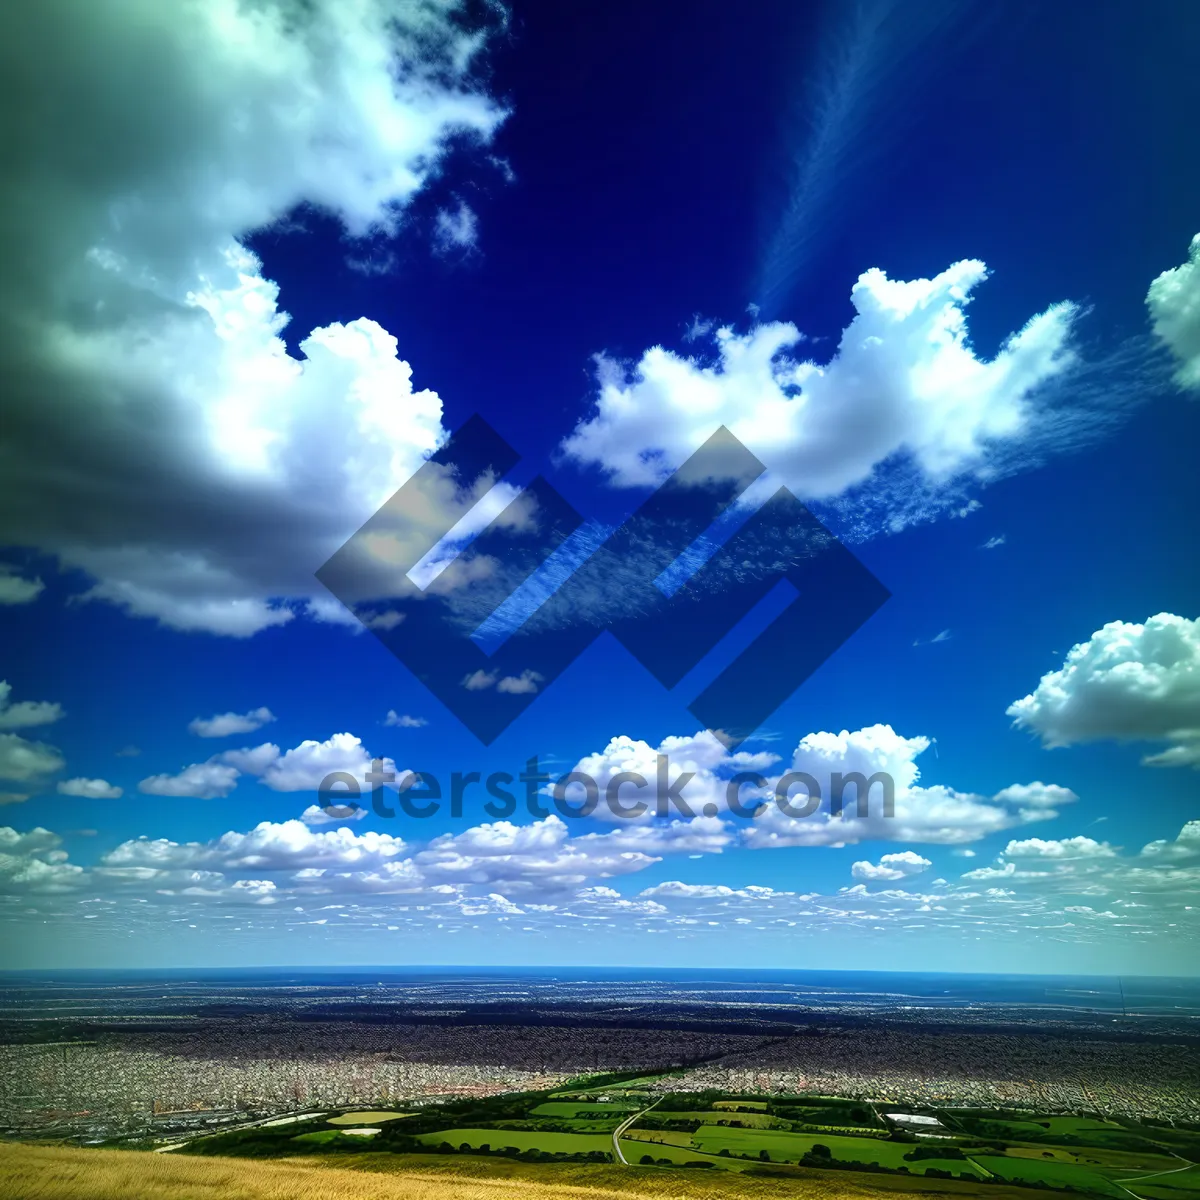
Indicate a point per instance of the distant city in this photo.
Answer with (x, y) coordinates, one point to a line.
(155, 1056)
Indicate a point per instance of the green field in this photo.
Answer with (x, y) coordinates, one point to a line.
(1052, 1130)
(521, 1139)
(1091, 1156)
(323, 1137)
(1054, 1174)
(597, 1124)
(571, 1108)
(666, 1137)
(775, 1137)
(838, 1118)
(791, 1147)
(755, 1120)
(1178, 1185)
(634, 1151)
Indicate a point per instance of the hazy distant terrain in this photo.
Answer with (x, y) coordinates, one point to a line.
(101, 1057)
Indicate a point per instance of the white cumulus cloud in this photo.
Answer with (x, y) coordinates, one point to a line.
(1127, 682)
(314, 814)
(34, 862)
(25, 713)
(26, 761)
(200, 781)
(891, 867)
(904, 381)
(90, 789)
(1174, 304)
(286, 845)
(300, 769)
(935, 814)
(140, 337)
(1061, 848)
(700, 769)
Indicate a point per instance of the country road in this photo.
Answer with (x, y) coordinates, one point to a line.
(618, 1156)
(1187, 1166)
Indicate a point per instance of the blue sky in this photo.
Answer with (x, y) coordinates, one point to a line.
(507, 215)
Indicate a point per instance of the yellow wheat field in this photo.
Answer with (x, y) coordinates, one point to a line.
(68, 1173)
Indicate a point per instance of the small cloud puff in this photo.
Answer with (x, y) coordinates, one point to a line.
(403, 720)
(224, 724)
(891, 867)
(90, 789)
